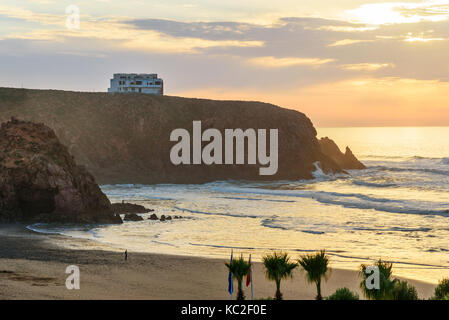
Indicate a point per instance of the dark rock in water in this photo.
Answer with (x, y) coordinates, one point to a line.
(153, 217)
(132, 217)
(125, 207)
(351, 162)
(168, 218)
(40, 181)
(162, 218)
(345, 160)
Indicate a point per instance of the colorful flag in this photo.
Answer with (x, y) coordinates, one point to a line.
(230, 282)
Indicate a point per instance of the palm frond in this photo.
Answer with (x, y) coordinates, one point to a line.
(315, 265)
(278, 266)
(238, 267)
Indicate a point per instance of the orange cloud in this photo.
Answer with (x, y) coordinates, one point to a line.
(272, 62)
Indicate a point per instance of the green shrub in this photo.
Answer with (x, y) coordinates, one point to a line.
(343, 294)
(403, 291)
(442, 290)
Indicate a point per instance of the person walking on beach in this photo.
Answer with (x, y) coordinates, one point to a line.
(126, 255)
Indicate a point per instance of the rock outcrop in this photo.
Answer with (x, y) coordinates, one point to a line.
(345, 160)
(125, 138)
(132, 217)
(125, 207)
(40, 181)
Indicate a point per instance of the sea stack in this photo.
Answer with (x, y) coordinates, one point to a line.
(345, 160)
(40, 181)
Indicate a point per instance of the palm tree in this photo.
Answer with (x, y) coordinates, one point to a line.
(239, 268)
(278, 267)
(316, 267)
(386, 283)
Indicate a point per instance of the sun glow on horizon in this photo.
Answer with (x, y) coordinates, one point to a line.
(399, 12)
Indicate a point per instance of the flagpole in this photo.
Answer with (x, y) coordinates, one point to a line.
(251, 267)
(231, 284)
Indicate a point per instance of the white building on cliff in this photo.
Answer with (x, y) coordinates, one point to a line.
(137, 83)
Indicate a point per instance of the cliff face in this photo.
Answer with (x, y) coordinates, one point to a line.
(125, 138)
(39, 180)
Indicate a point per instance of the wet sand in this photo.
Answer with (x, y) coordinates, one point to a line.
(32, 267)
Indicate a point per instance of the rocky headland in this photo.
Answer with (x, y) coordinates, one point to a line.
(125, 138)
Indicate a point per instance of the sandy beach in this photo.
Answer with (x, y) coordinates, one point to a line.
(31, 267)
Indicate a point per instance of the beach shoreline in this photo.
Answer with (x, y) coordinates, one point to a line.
(33, 267)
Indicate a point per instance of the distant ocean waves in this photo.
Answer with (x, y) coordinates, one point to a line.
(351, 200)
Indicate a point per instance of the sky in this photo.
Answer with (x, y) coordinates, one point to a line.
(342, 63)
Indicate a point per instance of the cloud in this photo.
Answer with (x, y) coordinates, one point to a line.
(367, 66)
(316, 62)
(346, 42)
(440, 10)
(272, 62)
(202, 30)
(400, 12)
(28, 15)
(113, 29)
(420, 39)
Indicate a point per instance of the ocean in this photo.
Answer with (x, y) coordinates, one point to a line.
(397, 209)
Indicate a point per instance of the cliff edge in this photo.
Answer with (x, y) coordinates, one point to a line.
(125, 138)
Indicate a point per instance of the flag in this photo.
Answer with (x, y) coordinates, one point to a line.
(248, 276)
(230, 282)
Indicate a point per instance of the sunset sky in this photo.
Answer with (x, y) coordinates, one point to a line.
(355, 63)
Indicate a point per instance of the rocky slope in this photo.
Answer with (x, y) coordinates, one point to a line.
(40, 181)
(125, 138)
